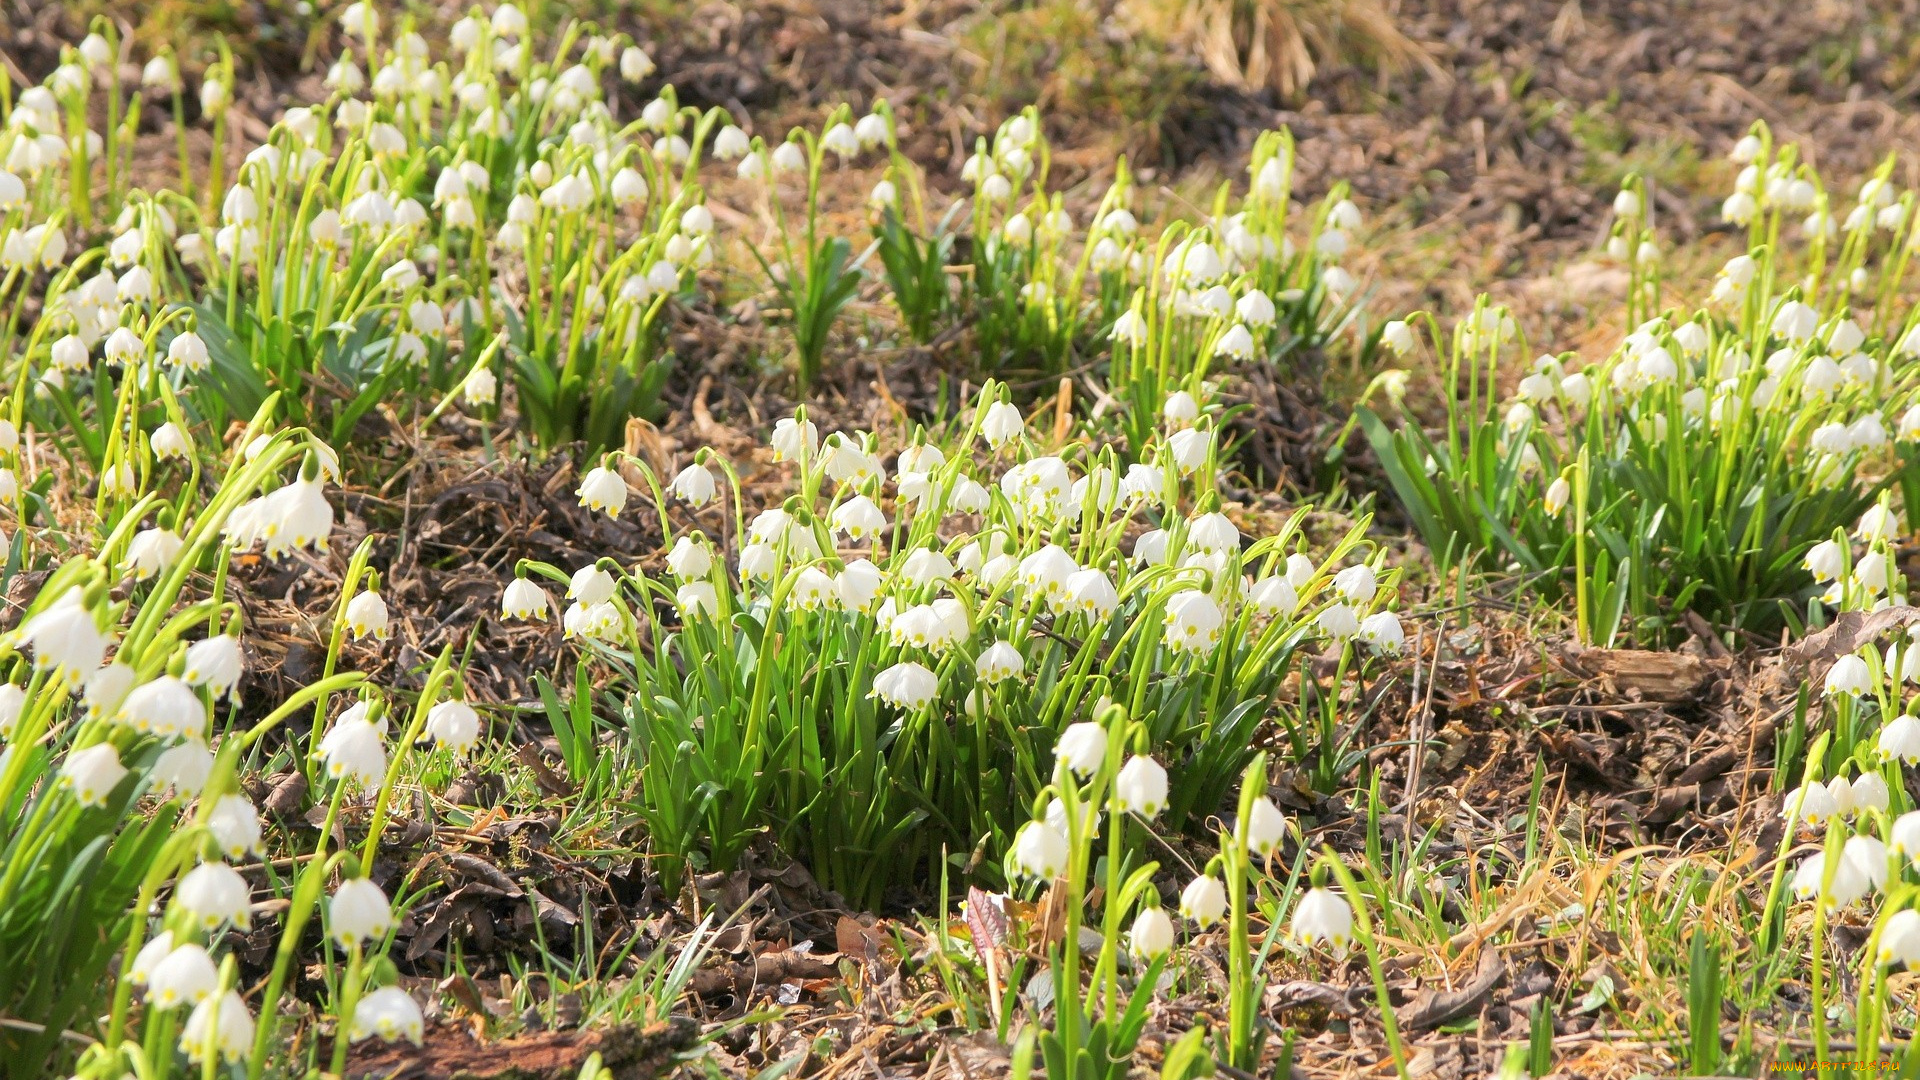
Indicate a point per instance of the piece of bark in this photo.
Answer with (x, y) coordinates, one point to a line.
(1435, 1007)
(451, 1052)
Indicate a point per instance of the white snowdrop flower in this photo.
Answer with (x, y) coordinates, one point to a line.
(812, 589)
(1091, 594)
(1826, 560)
(69, 353)
(389, 1012)
(184, 767)
(1815, 803)
(481, 387)
(115, 479)
(918, 627)
(1141, 787)
(627, 186)
(794, 438)
(352, 750)
(697, 600)
(1557, 494)
(1383, 632)
(219, 1024)
(1200, 264)
(169, 443)
(160, 75)
(1082, 748)
(1040, 851)
(1189, 449)
(151, 551)
(140, 973)
(65, 638)
(1204, 900)
(1193, 621)
(1845, 337)
(847, 463)
(690, 558)
(1577, 388)
(1831, 438)
(13, 701)
(1017, 230)
(1120, 221)
(401, 276)
(731, 143)
(215, 663)
(358, 912)
(1045, 572)
(1130, 329)
(906, 685)
(326, 230)
(1739, 208)
(1795, 321)
(1273, 596)
(1151, 547)
(1878, 523)
(1870, 792)
(1214, 533)
(1357, 583)
(1215, 302)
(695, 484)
(1236, 343)
(757, 561)
(857, 585)
(1322, 916)
(1152, 934)
(107, 688)
(523, 599)
(840, 139)
(235, 826)
(1848, 885)
(367, 614)
(1143, 484)
(1001, 424)
(999, 662)
(603, 489)
(1910, 344)
(1872, 573)
(883, 195)
(92, 774)
(635, 64)
(1900, 938)
(969, 496)
(1868, 432)
(1338, 621)
(1656, 366)
(1266, 827)
(1904, 837)
(214, 893)
(182, 975)
(1300, 570)
(1899, 740)
(860, 518)
(136, 286)
(591, 585)
(1180, 410)
(789, 157)
(924, 566)
(1398, 337)
(454, 725)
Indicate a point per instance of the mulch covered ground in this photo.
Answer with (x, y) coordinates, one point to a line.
(1503, 154)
